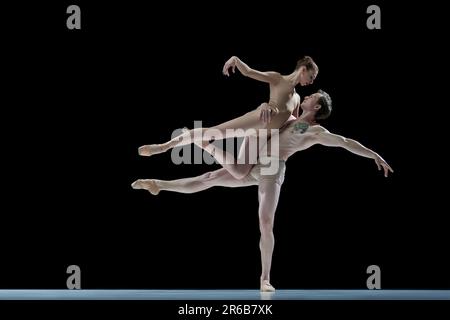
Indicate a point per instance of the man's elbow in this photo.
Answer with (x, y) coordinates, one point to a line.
(342, 143)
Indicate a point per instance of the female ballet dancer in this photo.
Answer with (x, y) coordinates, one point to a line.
(283, 103)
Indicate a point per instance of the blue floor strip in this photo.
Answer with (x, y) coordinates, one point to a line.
(224, 295)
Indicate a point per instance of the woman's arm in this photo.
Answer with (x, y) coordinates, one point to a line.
(296, 112)
(235, 62)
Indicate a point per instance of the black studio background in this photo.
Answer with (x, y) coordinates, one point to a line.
(78, 104)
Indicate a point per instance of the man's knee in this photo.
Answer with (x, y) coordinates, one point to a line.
(266, 224)
(209, 176)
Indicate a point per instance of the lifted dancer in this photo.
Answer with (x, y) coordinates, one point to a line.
(283, 102)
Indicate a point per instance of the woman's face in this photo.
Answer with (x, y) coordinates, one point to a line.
(307, 77)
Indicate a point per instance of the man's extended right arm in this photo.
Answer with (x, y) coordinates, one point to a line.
(329, 139)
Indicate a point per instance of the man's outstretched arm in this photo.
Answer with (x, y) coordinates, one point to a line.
(235, 62)
(329, 139)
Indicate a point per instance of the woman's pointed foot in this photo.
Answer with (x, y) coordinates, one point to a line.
(146, 184)
(151, 149)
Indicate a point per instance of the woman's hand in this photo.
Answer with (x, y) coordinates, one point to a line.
(267, 111)
(231, 63)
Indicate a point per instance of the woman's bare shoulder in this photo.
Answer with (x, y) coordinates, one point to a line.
(275, 76)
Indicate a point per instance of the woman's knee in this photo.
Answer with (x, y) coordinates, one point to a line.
(216, 133)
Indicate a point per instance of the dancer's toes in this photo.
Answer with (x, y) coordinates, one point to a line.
(137, 184)
(151, 149)
(266, 286)
(146, 184)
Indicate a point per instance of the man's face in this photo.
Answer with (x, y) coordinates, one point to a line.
(311, 102)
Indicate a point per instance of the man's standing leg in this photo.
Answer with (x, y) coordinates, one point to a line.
(268, 193)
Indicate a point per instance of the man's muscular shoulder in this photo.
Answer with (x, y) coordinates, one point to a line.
(317, 129)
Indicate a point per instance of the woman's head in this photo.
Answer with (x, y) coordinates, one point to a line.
(307, 70)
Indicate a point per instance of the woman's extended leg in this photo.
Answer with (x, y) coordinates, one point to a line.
(217, 178)
(246, 125)
(249, 120)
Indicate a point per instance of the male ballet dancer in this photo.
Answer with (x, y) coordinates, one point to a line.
(297, 135)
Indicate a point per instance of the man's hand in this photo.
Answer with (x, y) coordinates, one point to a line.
(267, 111)
(231, 63)
(382, 164)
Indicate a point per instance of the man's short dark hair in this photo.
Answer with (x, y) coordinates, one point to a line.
(326, 105)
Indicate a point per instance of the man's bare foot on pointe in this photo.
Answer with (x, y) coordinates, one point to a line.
(146, 184)
(266, 286)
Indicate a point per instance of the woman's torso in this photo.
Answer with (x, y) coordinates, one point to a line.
(283, 96)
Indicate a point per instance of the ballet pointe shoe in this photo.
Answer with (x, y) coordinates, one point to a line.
(266, 286)
(146, 184)
(150, 149)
